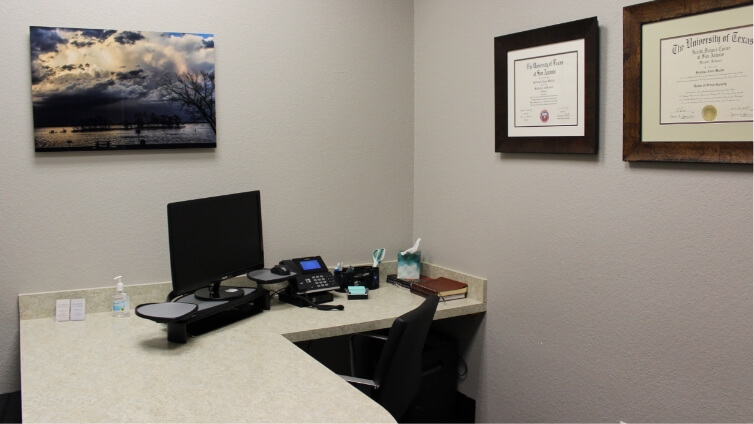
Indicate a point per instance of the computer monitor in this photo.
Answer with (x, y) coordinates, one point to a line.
(213, 239)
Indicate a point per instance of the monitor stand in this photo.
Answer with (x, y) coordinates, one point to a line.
(198, 316)
(215, 292)
(212, 315)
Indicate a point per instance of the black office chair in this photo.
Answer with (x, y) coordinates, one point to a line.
(397, 371)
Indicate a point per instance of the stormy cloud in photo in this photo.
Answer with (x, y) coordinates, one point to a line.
(87, 80)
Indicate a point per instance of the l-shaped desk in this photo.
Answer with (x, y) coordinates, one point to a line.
(106, 369)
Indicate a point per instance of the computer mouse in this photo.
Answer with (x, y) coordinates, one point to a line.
(280, 270)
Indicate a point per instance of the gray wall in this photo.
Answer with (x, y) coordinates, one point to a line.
(616, 291)
(315, 109)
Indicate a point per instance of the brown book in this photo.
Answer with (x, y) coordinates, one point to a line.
(415, 289)
(440, 286)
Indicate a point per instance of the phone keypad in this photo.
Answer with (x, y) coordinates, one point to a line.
(320, 281)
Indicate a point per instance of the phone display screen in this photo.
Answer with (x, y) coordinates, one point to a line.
(308, 265)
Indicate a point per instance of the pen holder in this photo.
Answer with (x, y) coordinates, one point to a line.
(367, 276)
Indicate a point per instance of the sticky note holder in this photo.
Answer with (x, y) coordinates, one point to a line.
(357, 292)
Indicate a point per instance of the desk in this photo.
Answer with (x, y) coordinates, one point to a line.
(107, 369)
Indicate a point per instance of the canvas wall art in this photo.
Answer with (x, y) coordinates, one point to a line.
(98, 89)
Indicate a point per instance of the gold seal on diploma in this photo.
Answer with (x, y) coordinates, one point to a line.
(709, 113)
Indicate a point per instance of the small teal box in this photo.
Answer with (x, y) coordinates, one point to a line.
(409, 265)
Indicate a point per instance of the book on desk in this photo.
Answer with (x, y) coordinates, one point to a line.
(443, 287)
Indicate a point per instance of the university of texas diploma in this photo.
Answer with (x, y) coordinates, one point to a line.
(706, 77)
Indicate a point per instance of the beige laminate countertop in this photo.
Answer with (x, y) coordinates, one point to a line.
(107, 369)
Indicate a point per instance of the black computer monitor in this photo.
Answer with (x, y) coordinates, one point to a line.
(213, 239)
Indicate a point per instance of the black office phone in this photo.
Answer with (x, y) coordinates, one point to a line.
(311, 276)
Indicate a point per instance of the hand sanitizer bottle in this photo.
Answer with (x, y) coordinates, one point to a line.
(120, 300)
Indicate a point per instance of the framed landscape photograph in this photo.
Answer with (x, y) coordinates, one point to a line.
(687, 81)
(546, 89)
(99, 89)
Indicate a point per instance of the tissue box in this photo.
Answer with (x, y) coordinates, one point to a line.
(409, 265)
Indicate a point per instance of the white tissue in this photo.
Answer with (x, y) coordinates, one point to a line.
(413, 248)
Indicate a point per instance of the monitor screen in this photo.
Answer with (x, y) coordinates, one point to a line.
(213, 239)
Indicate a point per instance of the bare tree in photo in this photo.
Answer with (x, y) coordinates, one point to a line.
(193, 92)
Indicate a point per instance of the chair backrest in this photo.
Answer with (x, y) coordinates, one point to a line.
(398, 371)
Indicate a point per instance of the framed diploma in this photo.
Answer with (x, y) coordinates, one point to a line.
(687, 81)
(546, 89)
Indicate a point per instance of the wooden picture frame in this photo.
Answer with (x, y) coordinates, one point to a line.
(650, 32)
(546, 89)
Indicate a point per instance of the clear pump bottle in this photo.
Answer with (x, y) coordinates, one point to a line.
(121, 307)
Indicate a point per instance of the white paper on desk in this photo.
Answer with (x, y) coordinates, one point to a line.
(78, 309)
(62, 310)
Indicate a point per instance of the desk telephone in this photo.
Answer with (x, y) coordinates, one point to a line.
(311, 276)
